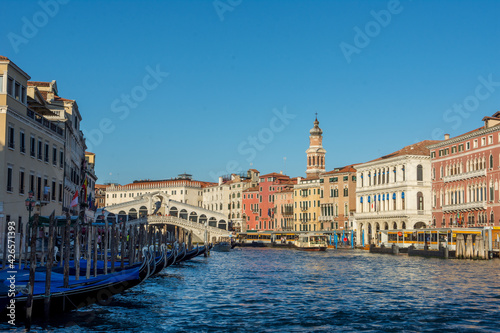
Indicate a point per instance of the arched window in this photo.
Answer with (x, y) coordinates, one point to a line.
(491, 161)
(420, 201)
(492, 218)
(420, 173)
(309, 160)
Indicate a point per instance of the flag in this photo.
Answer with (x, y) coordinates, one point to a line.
(85, 188)
(74, 201)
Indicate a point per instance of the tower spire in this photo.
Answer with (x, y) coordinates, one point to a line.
(316, 152)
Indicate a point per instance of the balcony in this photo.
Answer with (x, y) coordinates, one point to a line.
(326, 218)
(465, 206)
(391, 214)
(466, 175)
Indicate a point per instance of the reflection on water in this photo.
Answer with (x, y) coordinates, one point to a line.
(269, 290)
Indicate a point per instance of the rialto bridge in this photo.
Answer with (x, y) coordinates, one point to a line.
(157, 208)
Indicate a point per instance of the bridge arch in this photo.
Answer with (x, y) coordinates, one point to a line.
(222, 224)
(203, 219)
(193, 217)
(212, 222)
(143, 211)
(183, 214)
(132, 214)
(174, 211)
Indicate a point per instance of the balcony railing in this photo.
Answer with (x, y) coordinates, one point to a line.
(465, 206)
(465, 175)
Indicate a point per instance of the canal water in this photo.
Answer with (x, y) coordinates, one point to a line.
(270, 290)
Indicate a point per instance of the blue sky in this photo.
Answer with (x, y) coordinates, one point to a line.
(210, 87)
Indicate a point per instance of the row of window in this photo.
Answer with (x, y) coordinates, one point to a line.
(386, 202)
(14, 89)
(41, 188)
(383, 176)
(455, 197)
(38, 149)
(132, 195)
(467, 218)
(344, 178)
(457, 168)
(467, 145)
(331, 210)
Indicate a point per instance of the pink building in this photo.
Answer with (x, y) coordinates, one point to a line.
(283, 201)
(465, 177)
(268, 185)
(251, 208)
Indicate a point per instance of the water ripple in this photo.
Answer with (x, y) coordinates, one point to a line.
(268, 290)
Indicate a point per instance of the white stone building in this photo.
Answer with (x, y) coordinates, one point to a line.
(182, 189)
(394, 192)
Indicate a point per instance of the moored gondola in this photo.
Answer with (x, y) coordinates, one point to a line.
(78, 294)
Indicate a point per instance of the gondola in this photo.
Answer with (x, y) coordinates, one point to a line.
(191, 254)
(160, 261)
(80, 293)
(181, 254)
(172, 255)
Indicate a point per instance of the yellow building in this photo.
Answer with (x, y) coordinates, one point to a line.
(306, 204)
(31, 149)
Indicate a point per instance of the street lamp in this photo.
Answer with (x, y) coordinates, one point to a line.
(30, 203)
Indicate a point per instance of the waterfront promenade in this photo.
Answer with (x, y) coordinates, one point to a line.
(283, 290)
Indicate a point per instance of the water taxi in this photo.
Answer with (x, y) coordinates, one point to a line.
(312, 242)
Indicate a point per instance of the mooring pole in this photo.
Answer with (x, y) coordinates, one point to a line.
(66, 251)
(106, 235)
(113, 241)
(29, 301)
(50, 261)
(78, 235)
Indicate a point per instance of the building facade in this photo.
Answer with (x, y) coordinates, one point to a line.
(283, 202)
(394, 192)
(100, 195)
(66, 112)
(465, 177)
(182, 189)
(251, 208)
(268, 185)
(338, 198)
(306, 204)
(226, 197)
(31, 149)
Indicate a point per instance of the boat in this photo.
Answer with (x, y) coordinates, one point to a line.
(312, 242)
(222, 247)
(79, 293)
(181, 253)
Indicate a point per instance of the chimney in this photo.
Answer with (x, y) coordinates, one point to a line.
(281, 172)
(446, 136)
(220, 180)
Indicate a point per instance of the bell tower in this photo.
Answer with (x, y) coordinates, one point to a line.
(316, 152)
